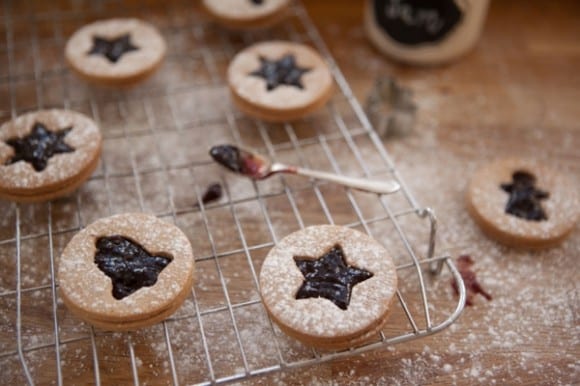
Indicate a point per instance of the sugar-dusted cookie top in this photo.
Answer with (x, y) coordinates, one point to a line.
(279, 80)
(125, 268)
(328, 284)
(246, 14)
(46, 150)
(523, 203)
(115, 51)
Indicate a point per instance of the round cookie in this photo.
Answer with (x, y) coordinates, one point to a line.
(522, 203)
(328, 286)
(279, 81)
(246, 14)
(126, 271)
(47, 154)
(115, 51)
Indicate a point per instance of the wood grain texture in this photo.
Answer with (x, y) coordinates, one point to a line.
(516, 93)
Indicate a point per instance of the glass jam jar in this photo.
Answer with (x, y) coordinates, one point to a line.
(425, 32)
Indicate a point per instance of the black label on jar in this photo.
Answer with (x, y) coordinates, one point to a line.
(413, 22)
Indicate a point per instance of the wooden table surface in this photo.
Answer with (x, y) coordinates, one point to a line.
(517, 93)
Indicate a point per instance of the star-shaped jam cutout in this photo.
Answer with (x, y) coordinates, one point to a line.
(329, 277)
(128, 264)
(278, 72)
(524, 199)
(257, 2)
(39, 146)
(112, 49)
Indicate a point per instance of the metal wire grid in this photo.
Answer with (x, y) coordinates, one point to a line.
(23, 224)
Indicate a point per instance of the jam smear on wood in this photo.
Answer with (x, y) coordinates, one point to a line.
(524, 198)
(39, 146)
(128, 264)
(472, 286)
(284, 71)
(329, 277)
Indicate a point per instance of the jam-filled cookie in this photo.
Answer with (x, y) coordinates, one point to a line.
(47, 154)
(245, 14)
(115, 51)
(126, 271)
(279, 81)
(328, 286)
(523, 203)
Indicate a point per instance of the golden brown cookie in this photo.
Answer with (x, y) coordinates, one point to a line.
(126, 271)
(246, 14)
(115, 51)
(328, 286)
(522, 203)
(279, 81)
(47, 154)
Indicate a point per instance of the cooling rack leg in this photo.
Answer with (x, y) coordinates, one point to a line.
(435, 267)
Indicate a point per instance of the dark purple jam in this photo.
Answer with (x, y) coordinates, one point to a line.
(112, 49)
(227, 156)
(282, 71)
(524, 198)
(212, 193)
(237, 160)
(417, 22)
(257, 2)
(39, 146)
(128, 264)
(472, 286)
(329, 277)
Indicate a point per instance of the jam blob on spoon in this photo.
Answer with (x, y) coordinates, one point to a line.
(241, 161)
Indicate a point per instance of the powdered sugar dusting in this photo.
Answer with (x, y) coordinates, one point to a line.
(467, 116)
(318, 318)
(84, 137)
(488, 200)
(150, 43)
(244, 10)
(77, 268)
(317, 81)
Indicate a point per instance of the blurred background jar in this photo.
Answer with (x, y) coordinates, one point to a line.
(425, 32)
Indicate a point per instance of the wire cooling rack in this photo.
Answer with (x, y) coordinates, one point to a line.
(156, 137)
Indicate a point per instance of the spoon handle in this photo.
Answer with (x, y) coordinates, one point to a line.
(374, 186)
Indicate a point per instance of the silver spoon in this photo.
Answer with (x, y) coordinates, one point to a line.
(258, 167)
